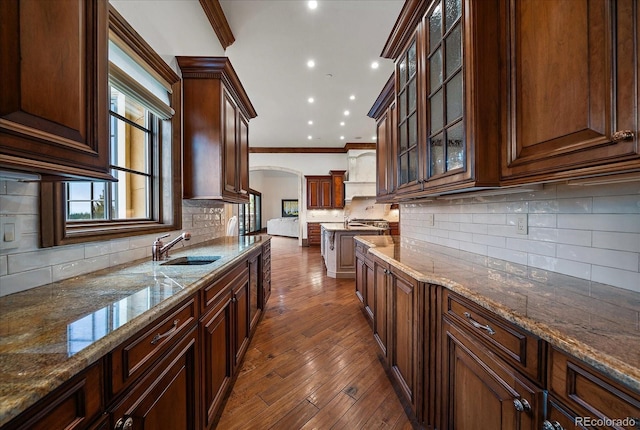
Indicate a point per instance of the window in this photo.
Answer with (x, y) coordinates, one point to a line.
(250, 214)
(144, 153)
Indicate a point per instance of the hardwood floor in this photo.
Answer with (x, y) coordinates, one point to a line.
(312, 363)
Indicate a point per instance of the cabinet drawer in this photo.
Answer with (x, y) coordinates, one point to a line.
(516, 346)
(135, 356)
(211, 292)
(72, 406)
(588, 392)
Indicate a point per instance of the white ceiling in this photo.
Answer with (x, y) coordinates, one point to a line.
(274, 41)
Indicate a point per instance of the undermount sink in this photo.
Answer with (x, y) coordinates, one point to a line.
(192, 261)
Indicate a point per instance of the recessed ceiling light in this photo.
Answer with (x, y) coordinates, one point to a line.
(341, 137)
(311, 64)
(374, 137)
(342, 123)
(310, 99)
(312, 4)
(310, 122)
(346, 113)
(309, 137)
(352, 97)
(375, 65)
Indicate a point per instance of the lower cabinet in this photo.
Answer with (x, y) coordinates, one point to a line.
(240, 317)
(256, 279)
(381, 275)
(167, 396)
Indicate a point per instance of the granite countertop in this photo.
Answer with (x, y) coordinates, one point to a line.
(594, 322)
(50, 333)
(339, 226)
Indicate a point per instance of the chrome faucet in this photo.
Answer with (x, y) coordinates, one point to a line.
(160, 251)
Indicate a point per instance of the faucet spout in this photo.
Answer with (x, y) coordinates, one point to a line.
(160, 251)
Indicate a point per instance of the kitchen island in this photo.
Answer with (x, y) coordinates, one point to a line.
(130, 325)
(337, 246)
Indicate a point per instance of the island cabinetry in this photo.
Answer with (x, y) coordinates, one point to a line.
(580, 57)
(165, 397)
(72, 406)
(216, 114)
(53, 114)
(578, 391)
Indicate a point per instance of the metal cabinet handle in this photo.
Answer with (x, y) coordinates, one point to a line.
(619, 136)
(548, 425)
(159, 336)
(124, 423)
(476, 324)
(522, 405)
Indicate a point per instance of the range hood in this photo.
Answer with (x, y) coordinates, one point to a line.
(361, 176)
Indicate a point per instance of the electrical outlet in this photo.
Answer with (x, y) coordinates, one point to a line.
(9, 232)
(430, 220)
(522, 224)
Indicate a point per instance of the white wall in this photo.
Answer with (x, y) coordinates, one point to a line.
(274, 186)
(590, 232)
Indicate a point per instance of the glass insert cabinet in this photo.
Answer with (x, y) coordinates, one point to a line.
(441, 142)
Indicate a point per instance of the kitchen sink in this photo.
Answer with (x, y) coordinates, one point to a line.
(192, 261)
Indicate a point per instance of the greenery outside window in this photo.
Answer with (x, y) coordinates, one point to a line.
(144, 153)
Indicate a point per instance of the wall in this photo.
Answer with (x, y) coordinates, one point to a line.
(28, 266)
(590, 232)
(274, 186)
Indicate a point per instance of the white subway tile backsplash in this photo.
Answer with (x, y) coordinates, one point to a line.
(10, 284)
(79, 267)
(23, 262)
(96, 249)
(3, 265)
(591, 232)
(18, 205)
(119, 245)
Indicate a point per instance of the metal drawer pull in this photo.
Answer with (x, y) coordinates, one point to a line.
(476, 324)
(124, 423)
(159, 336)
(619, 136)
(522, 405)
(547, 425)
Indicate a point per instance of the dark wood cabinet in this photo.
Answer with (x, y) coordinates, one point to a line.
(216, 114)
(573, 89)
(314, 234)
(383, 112)
(266, 273)
(361, 272)
(167, 396)
(326, 191)
(256, 279)
(54, 114)
(381, 311)
(241, 319)
(73, 406)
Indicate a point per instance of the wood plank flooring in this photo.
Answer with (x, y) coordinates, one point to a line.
(312, 363)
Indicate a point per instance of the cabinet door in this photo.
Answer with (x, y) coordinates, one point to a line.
(255, 289)
(361, 277)
(217, 358)
(574, 87)
(369, 303)
(404, 352)
(337, 188)
(481, 393)
(167, 397)
(53, 109)
(243, 156)
(241, 323)
(384, 154)
(380, 311)
(229, 144)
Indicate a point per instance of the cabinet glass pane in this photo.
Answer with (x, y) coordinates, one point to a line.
(411, 60)
(402, 72)
(454, 51)
(435, 70)
(453, 10)
(412, 97)
(435, 28)
(436, 111)
(404, 172)
(403, 105)
(402, 139)
(437, 155)
(413, 164)
(455, 147)
(454, 98)
(413, 130)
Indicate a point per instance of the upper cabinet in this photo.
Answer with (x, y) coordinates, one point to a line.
(54, 106)
(326, 191)
(383, 111)
(573, 89)
(216, 114)
(447, 112)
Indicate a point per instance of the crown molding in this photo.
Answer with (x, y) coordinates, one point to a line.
(218, 21)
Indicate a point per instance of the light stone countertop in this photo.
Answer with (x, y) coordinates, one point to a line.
(50, 333)
(596, 323)
(339, 226)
